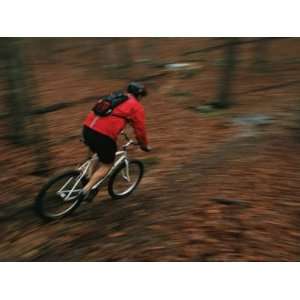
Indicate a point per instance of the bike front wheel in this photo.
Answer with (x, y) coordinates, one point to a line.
(125, 179)
(59, 196)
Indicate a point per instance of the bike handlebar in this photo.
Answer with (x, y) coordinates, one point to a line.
(130, 141)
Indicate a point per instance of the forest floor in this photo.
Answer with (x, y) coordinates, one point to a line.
(219, 185)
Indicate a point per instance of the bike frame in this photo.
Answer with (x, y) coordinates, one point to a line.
(122, 156)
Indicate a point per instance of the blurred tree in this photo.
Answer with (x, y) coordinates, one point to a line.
(37, 125)
(224, 91)
(149, 48)
(142, 55)
(117, 57)
(16, 101)
(262, 46)
(19, 101)
(123, 52)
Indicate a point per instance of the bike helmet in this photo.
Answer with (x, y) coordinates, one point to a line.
(137, 89)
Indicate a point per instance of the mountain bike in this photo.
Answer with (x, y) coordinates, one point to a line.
(59, 197)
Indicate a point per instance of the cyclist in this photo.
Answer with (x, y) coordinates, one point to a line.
(101, 133)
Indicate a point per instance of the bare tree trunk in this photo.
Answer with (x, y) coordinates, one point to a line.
(110, 52)
(227, 75)
(260, 62)
(38, 125)
(149, 49)
(118, 57)
(19, 102)
(16, 99)
(110, 56)
(124, 53)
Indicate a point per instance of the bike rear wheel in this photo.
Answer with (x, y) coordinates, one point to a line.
(125, 180)
(59, 196)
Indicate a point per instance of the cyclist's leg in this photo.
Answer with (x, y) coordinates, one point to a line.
(93, 167)
(106, 149)
(89, 141)
(97, 176)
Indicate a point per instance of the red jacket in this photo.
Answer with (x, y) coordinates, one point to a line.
(112, 125)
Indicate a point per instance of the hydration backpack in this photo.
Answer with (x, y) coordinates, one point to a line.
(105, 106)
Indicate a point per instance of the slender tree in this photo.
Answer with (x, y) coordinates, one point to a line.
(123, 52)
(261, 54)
(224, 91)
(16, 100)
(149, 47)
(118, 57)
(37, 131)
(19, 102)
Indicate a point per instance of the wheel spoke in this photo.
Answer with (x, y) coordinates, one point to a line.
(61, 196)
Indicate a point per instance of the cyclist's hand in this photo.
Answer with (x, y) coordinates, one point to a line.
(146, 148)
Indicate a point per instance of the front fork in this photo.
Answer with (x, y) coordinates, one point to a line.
(124, 158)
(127, 175)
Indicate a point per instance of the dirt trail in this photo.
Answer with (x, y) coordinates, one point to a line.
(213, 189)
(178, 219)
(135, 224)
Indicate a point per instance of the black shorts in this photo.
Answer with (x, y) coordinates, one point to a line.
(101, 144)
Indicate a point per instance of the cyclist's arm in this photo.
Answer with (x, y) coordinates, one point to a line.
(138, 123)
